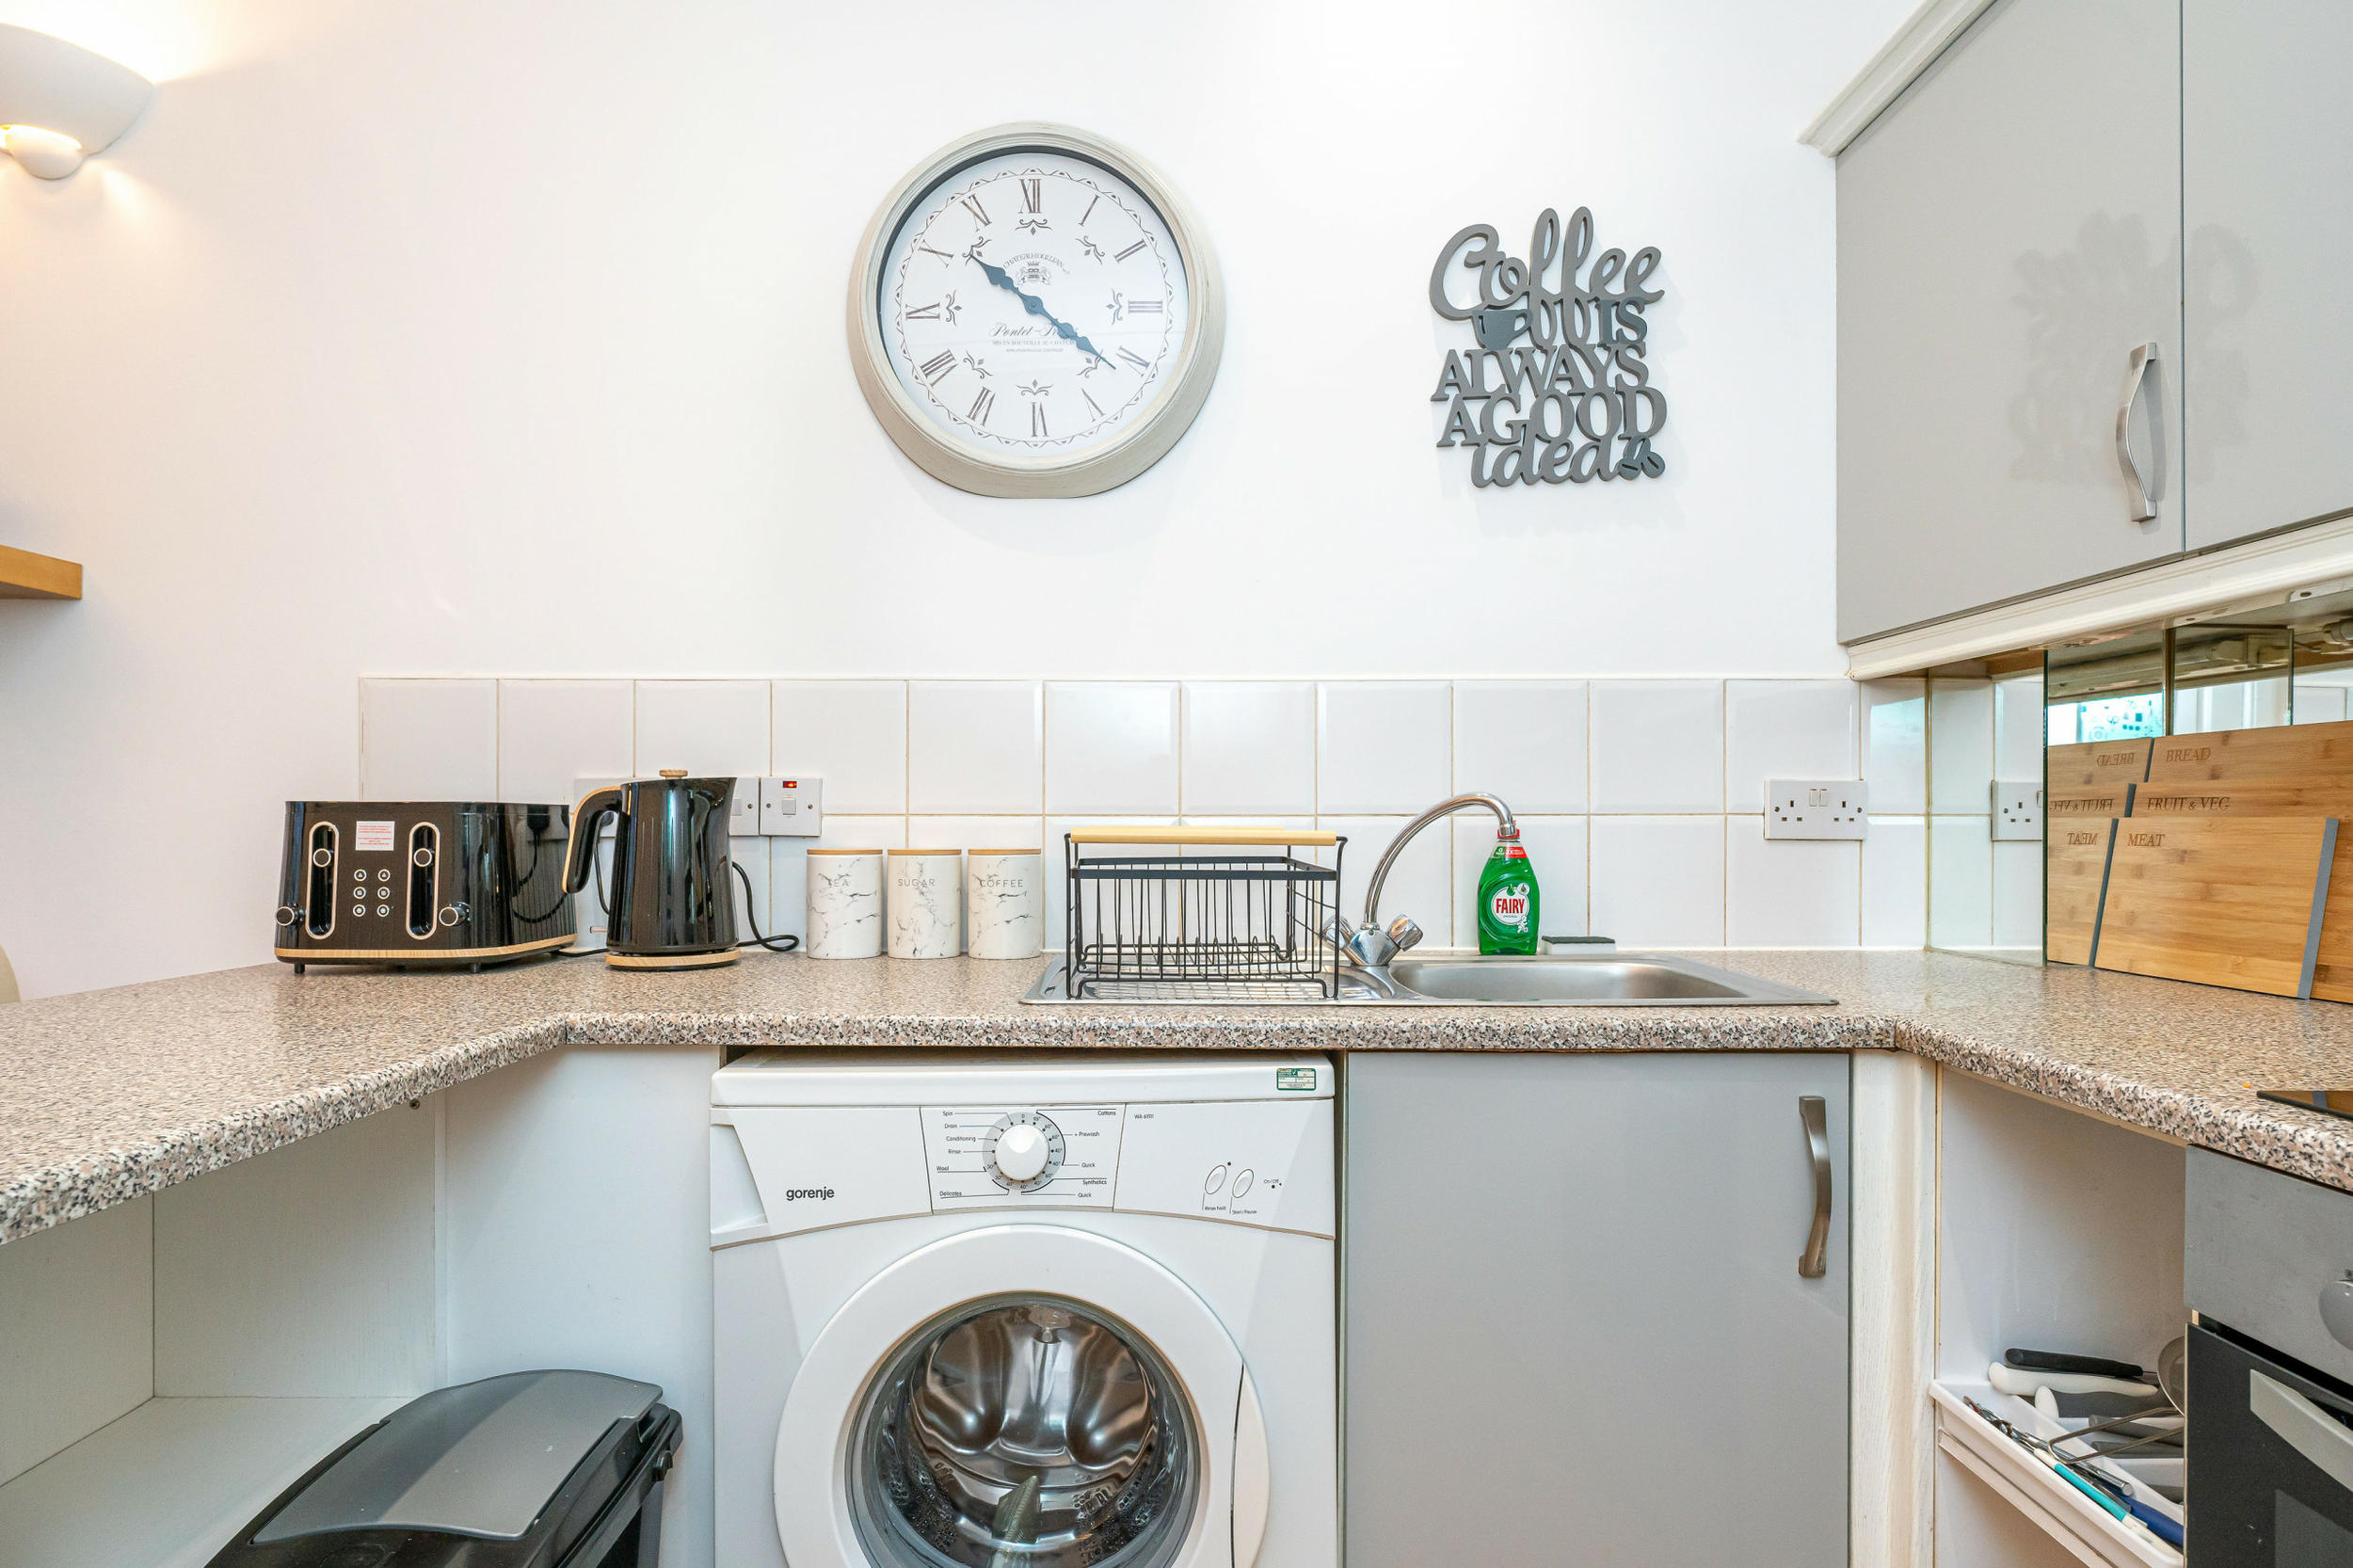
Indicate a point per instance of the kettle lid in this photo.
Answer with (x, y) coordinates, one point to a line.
(674, 773)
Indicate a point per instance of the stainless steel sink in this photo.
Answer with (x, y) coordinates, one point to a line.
(1469, 980)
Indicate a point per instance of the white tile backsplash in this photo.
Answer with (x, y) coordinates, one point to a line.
(1249, 746)
(1556, 848)
(1621, 786)
(709, 727)
(429, 740)
(1057, 880)
(1960, 750)
(553, 733)
(1896, 746)
(2018, 893)
(853, 734)
(1658, 748)
(1421, 884)
(1111, 746)
(1659, 881)
(1895, 883)
(1522, 742)
(1786, 729)
(2018, 730)
(1383, 745)
(975, 746)
(1790, 892)
(1960, 883)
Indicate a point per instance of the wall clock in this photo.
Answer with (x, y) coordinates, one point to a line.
(1036, 312)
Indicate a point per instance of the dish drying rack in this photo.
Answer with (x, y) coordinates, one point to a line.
(1176, 914)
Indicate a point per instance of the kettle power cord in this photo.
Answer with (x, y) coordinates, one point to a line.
(753, 921)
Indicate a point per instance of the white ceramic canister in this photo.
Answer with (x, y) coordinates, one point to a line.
(926, 902)
(1002, 901)
(845, 903)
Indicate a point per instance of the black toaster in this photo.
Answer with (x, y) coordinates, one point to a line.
(423, 882)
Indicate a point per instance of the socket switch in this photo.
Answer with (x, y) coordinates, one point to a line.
(1814, 809)
(2017, 810)
(744, 810)
(793, 807)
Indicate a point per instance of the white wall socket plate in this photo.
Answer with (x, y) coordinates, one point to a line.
(793, 807)
(1814, 809)
(744, 810)
(2017, 810)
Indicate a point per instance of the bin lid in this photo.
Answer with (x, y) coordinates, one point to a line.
(480, 1458)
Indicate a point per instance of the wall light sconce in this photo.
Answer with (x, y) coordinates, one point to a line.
(59, 103)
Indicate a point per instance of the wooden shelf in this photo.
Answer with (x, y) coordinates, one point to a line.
(2089, 1534)
(169, 1484)
(26, 575)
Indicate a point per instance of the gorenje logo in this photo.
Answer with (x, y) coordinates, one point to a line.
(795, 1193)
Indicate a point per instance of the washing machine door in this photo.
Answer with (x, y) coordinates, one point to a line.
(1022, 1397)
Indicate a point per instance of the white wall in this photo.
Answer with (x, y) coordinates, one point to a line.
(501, 337)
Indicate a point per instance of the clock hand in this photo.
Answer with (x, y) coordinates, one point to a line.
(1035, 305)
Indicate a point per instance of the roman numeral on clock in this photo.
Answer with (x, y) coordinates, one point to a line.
(1123, 255)
(1143, 307)
(981, 405)
(1091, 403)
(926, 313)
(1037, 419)
(928, 251)
(1088, 214)
(938, 366)
(1135, 359)
(1033, 196)
(973, 203)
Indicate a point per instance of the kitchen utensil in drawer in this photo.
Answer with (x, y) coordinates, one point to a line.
(2224, 900)
(2076, 877)
(2060, 1361)
(673, 905)
(424, 883)
(1202, 921)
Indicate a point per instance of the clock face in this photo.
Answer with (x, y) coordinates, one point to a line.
(1032, 304)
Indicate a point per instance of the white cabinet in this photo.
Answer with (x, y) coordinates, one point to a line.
(2008, 235)
(2268, 165)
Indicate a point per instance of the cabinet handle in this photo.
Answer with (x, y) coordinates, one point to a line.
(2136, 381)
(2303, 1426)
(1814, 1261)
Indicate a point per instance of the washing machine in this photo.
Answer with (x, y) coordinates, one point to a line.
(1024, 1311)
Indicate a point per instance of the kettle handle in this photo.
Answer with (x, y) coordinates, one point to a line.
(587, 821)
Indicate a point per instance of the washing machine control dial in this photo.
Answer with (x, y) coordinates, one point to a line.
(1024, 1152)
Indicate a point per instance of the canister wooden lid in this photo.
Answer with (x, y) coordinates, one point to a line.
(1003, 852)
(922, 852)
(845, 851)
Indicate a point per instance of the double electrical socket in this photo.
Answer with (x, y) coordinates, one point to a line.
(775, 808)
(1814, 809)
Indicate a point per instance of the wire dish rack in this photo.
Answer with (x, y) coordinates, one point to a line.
(1176, 914)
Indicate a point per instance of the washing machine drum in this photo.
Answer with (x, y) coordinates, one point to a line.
(1081, 1408)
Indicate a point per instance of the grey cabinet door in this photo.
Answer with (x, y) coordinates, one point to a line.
(1574, 1328)
(2267, 200)
(2008, 231)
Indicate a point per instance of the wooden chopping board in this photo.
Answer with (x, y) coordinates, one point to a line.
(2268, 798)
(2095, 764)
(2113, 800)
(2223, 900)
(2074, 877)
(2305, 751)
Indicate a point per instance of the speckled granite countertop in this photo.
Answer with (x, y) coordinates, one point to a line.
(107, 1095)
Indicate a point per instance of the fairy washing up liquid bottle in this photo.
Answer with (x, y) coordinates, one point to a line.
(1508, 901)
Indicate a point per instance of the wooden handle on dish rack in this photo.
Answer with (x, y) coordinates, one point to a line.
(1254, 836)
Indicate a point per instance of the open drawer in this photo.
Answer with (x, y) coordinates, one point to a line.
(2086, 1529)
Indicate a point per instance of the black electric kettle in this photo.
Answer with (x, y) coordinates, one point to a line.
(673, 907)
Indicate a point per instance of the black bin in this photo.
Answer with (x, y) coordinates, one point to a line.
(548, 1469)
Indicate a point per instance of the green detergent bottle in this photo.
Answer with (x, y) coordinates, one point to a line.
(1508, 901)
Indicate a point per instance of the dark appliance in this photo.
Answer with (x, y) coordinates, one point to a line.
(672, 904)
(422, 882)
(2269, 1275)
(551, 1469)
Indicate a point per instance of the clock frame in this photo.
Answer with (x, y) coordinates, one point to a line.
(1100, 467)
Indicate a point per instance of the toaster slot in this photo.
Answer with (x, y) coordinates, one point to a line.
(319, 898)
(424, 878)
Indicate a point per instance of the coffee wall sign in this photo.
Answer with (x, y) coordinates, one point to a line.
(1556, 384)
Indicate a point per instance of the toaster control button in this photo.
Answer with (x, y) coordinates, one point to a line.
(322, 855)
(288, 916)
(421, 856)
(383, 876)
(453, 913)
(358, 909)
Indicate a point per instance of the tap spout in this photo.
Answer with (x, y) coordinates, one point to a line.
(1504, 824)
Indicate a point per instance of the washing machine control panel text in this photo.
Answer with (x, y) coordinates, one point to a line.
(1061, 1156)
